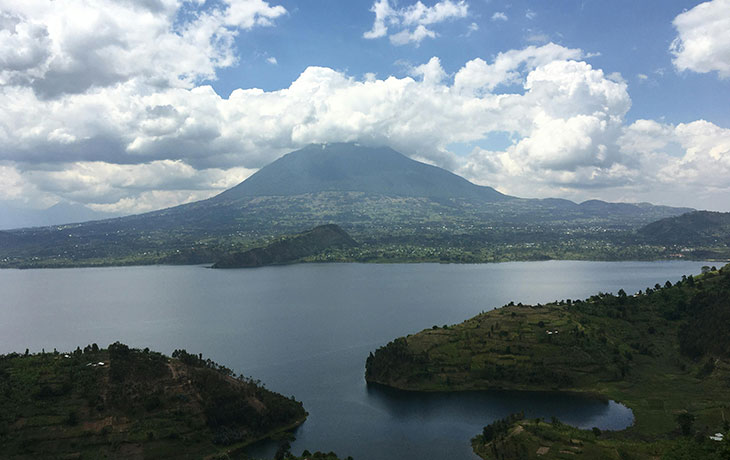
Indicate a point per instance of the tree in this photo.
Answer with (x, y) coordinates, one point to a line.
(685, 421)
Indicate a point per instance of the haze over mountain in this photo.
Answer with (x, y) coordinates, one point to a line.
(376, 194)
(58, 214)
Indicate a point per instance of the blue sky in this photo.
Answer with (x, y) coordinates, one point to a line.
(628, 37)
(134, 105)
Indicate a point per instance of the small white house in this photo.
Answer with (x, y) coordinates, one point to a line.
(717, 437)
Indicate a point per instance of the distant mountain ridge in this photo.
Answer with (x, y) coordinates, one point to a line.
(343, 167)
(58, 214)
(376, 194)
(693, 228)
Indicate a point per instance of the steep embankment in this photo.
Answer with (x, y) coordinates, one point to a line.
(662, 352)
(128, 403)
(290, 249)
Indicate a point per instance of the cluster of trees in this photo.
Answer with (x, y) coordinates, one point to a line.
(706, 318)
(135, 365)
(392, 361)
(500, 428)
(237, 412)
(198, 361)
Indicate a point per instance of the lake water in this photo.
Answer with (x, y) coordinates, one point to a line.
(305, 330)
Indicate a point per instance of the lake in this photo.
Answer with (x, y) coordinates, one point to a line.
(305, 330)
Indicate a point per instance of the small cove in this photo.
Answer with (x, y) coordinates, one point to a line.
(305, 330)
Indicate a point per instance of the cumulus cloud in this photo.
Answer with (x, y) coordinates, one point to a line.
(61, 48)
(703, 39)
(430, 73)
(509, 67)
(686, 164)
(116, 188)
(499, 16)
(135, 138)
(113, 143)
(412, 22)
(688, 161)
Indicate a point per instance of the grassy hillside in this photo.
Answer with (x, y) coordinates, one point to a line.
(700, 233)
(663, 352)
(127, 403)
(536, 439)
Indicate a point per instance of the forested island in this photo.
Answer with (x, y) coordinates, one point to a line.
(662, 351)
(122, 402)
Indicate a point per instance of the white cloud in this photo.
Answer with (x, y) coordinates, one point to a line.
(685, 164)
(537, 37)
(383, 14)
(272, 60)
(431, 73)
(60, 47)
(642, 77)
(154, 137)
(499, 16)
(529, 14)
(416, 35)
(411, 21)
(509, 67)
(112, 144)
(703, 41)
(113, 187)
(420, 14)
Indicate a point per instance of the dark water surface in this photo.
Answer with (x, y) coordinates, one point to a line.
(305, 330)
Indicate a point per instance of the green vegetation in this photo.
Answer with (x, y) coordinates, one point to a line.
(521, 439)
(291, 249)
(664, 352)
(284, 453)
(699, 228)
(128, 403)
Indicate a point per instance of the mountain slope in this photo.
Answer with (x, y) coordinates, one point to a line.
(379, 196)
(352, 168)
(693, 228)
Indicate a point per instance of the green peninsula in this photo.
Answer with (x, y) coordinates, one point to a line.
(662, 351)
(123, 402)
(290, 249)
